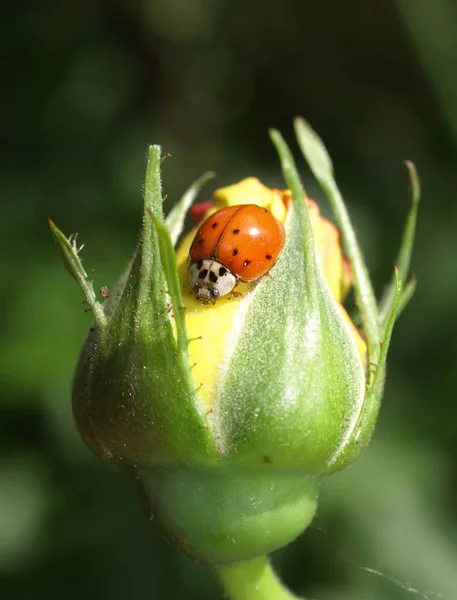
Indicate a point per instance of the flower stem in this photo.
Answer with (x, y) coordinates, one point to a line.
(253, 580)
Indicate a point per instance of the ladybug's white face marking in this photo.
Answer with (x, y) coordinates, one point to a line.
(210, 280)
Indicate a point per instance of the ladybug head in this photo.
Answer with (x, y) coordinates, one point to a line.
(210, 280)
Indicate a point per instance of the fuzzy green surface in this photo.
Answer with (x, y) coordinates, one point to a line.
(294, 383)
(134, 398)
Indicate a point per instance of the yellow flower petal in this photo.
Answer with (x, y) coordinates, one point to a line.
(252, 191)
(359, 341)
(207, 327)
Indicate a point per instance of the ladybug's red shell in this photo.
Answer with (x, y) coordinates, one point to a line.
(246, 239)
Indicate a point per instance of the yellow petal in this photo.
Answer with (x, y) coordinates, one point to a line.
(207, 327)
(252, 191)
(359, 341)
(328, 243)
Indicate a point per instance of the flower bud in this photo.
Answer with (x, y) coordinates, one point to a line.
(227, 415)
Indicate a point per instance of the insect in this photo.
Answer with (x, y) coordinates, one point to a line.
(238, 243)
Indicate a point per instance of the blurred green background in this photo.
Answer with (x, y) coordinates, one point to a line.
(88, 86)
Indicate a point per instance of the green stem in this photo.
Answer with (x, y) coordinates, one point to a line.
(253, 580)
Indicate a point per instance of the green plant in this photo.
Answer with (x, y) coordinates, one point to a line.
(228, 416)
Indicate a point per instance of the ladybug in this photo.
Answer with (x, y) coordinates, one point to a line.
(238, 243)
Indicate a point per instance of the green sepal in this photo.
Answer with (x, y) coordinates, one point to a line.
(404, 256)
(72, 262)
(170, 270)
(177, 215)
(294, 381)
(134, 397)
(111, 303)
(406, 295)
(319, 161)
(366, 422)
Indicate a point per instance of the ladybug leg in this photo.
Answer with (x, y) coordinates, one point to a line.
(234, 294)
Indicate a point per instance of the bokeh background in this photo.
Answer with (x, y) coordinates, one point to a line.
(86, 86)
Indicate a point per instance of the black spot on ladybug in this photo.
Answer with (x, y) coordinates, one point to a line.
(268, 256)
(235, 251)
(200, 241)
(247, 262)
(213, 226)
(203, 274)
(199, 264)
(213, 277)
(265, 210)
(236, 231)
(222, 271)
